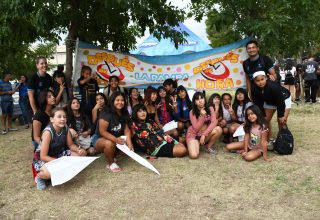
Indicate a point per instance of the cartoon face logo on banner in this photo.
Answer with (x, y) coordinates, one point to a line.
(106, 70)
(216, 71)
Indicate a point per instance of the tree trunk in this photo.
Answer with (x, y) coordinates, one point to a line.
(70, 45)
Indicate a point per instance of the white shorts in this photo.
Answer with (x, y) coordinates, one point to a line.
(287, 102)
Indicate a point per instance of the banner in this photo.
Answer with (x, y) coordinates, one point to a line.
(215, 69)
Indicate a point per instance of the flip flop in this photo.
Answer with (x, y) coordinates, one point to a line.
(114, 168)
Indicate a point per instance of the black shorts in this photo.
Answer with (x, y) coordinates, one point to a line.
(166, 150)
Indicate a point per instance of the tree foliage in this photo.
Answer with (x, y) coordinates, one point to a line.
(101, 22)
(284, 28)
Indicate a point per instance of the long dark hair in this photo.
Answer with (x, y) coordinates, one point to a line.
(42, 98)
(211, 103)
(124, 114)
(135, 110)
(188, 100)
(71, 119)
(104, 98)
(167, 99)
(147, 95)
(195, 109)
(236, 102)
(260, 118)
(140, 99)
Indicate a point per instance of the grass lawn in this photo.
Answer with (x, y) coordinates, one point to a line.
(221, 187)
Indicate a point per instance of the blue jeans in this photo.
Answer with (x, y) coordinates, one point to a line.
(25, 109)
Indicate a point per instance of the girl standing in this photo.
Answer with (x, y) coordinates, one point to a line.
(203, 129)
(56, 142)
(24, 100)
(88, 87)
(113, 86)
(112, 125)
(255, 140)
(151, 139)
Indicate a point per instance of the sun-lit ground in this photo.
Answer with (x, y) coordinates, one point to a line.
(221, 187)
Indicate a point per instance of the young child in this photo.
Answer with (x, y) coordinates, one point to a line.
(203, 129)
(184, 106)
(134, 98)
(60, 89)
(79, 125)
(41, 118)
(6, 93)
(88, 88)
(113, 86)
(113, 124)
(24, 100)
(228, 117)
(215, 102)
(240, 104)
(255, 140)
(56, 142)
(151, 139)
(165, 109)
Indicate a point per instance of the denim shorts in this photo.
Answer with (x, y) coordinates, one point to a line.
(94, 139)
(7, 108)
(287, 102)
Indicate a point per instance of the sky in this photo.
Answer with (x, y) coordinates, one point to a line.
(199, 28)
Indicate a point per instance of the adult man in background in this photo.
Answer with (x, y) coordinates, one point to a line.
(255, 63)
(310, 80)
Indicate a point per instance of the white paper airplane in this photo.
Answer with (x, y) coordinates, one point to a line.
(65, 168)
(136, 157)
(170, 126)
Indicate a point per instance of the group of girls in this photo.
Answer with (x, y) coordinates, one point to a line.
(137, 122)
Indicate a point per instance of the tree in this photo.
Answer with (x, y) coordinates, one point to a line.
(284, 28)
(21, 59)
(100, 22)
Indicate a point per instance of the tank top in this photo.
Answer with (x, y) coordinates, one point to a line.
(58, 142)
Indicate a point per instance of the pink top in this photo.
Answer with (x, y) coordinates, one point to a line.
(255, 137)
(198, 123)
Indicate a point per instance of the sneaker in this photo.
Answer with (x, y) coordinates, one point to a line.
(13, 129)
(270, 144)
(41, 183)
(211, 151)
(4, 132)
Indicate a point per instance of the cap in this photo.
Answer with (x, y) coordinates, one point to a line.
(259, 73)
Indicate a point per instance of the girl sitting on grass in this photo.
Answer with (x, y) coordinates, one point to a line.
(112, 124)
(56, 142)
(203, 129)
(151, 139)
(255, 139)
(79, 125)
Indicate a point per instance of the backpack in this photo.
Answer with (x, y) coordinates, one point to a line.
(284, 142)
(289, 79)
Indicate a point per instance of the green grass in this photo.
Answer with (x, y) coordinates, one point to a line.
(221, 187)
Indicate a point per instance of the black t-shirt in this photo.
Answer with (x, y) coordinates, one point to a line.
(263, 63)
(39, 83)
(116, 127)
(88, 93)
(43, 118)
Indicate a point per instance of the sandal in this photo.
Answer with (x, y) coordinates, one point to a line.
(113, 167)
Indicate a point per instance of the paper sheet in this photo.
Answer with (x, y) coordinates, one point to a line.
(239, 133)
(65, 168)
(136, 157)
(169, 126)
